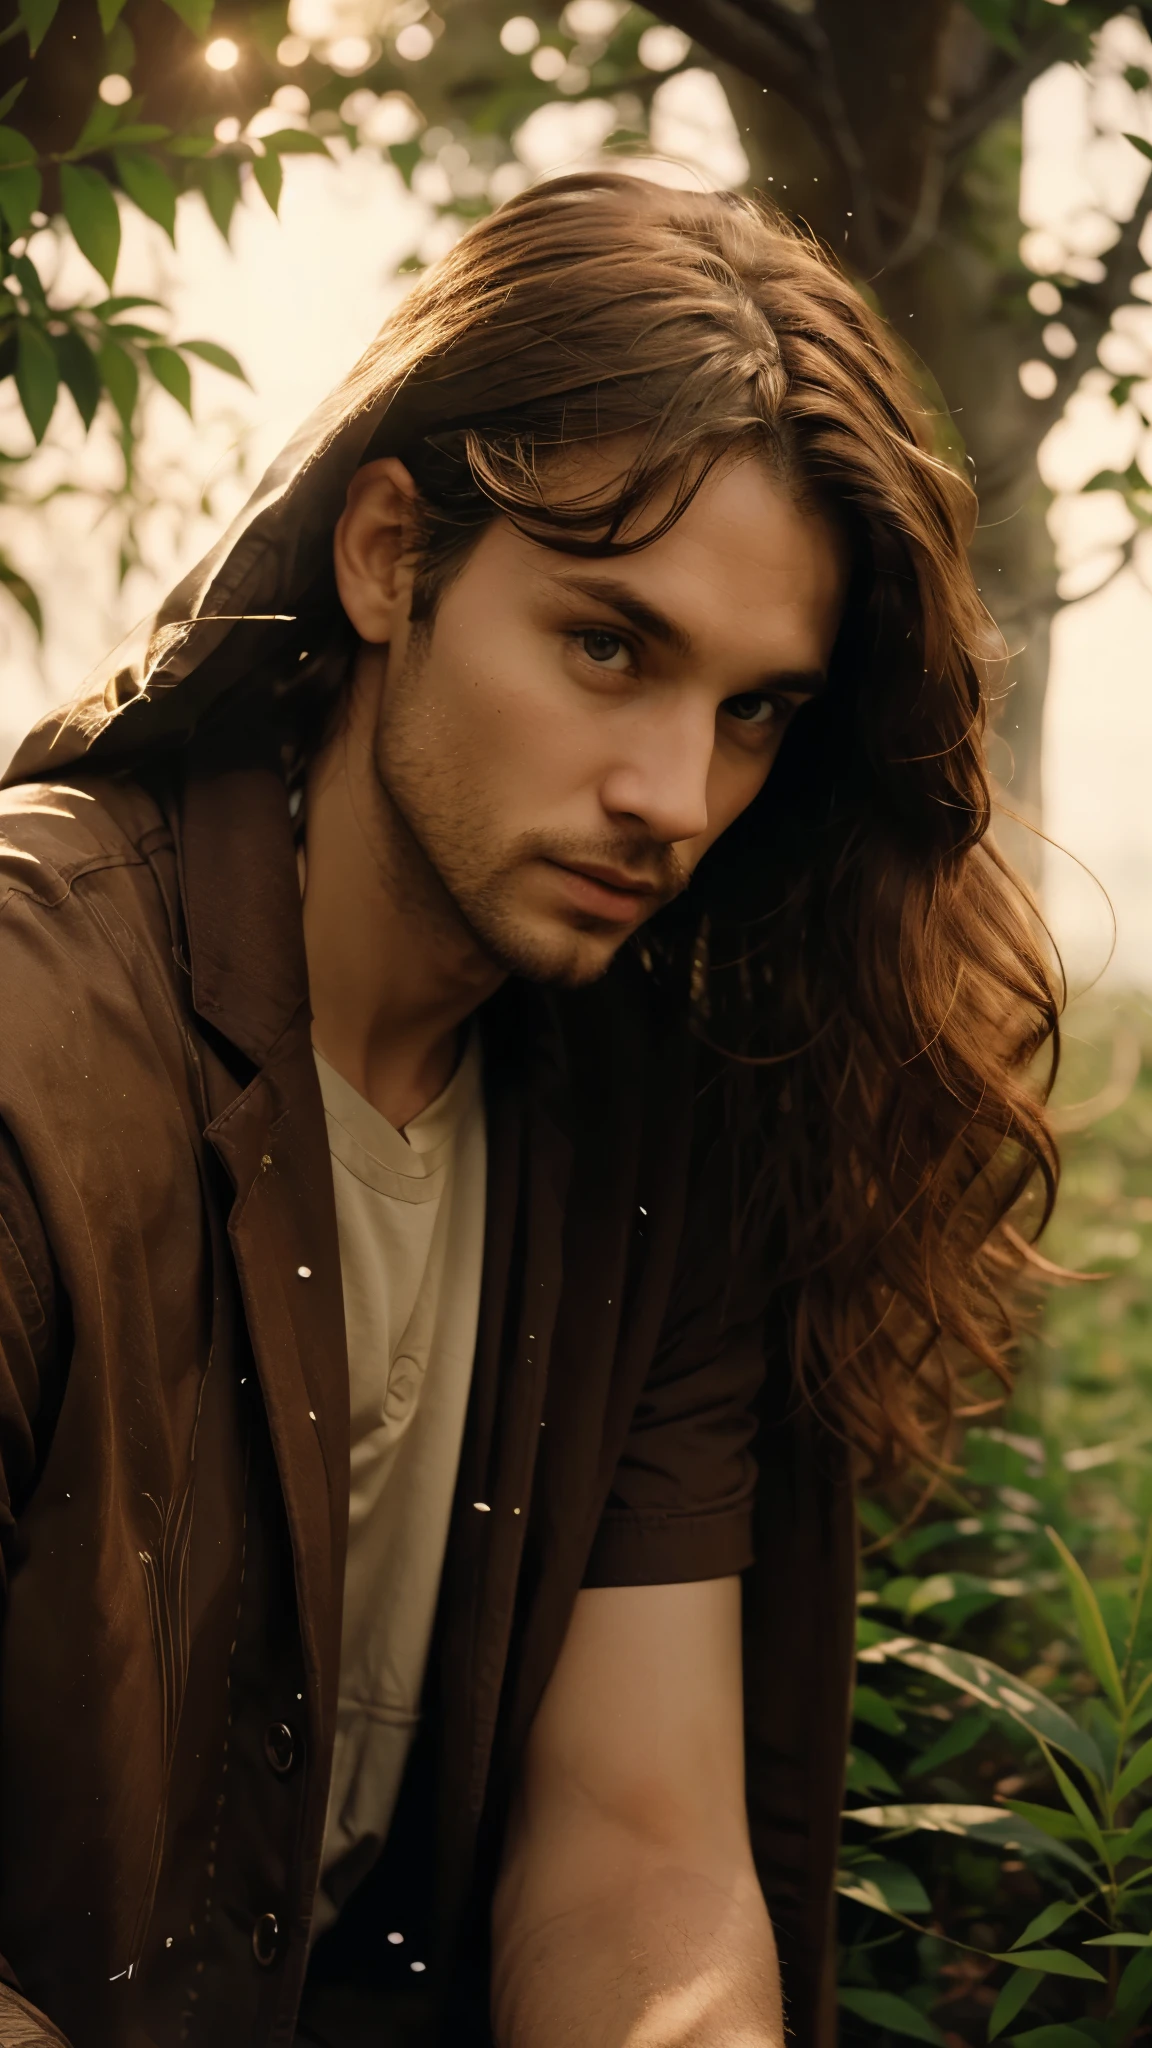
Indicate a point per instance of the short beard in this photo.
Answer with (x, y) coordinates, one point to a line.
(444, 842)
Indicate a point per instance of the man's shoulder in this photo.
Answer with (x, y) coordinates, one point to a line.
(53, 833)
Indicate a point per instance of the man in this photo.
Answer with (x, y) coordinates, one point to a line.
(507, 997)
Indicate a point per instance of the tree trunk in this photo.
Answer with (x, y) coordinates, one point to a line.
(958, 302)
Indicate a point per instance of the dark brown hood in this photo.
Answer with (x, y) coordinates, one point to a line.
(238, 609)
(248, 606)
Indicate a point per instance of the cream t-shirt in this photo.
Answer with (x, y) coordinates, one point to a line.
(410, 1212)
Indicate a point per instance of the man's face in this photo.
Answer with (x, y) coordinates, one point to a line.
(571, 735)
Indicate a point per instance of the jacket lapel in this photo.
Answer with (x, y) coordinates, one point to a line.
(529, 1153)
(249, 983)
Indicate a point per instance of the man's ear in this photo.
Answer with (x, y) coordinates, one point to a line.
(372, 549)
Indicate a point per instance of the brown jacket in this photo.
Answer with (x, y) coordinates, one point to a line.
(174, 1402)
(173, 1425)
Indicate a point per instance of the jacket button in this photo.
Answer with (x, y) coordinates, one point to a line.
(265, 1935)
(280, 1747)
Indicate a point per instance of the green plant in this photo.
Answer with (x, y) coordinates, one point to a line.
(1003, 1889)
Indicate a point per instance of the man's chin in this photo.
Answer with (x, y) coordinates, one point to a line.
(554, 955)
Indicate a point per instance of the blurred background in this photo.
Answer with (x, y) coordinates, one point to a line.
(271, 175)
(204, 217)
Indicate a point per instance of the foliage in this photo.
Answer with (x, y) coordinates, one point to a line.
(997, 1867)
(464, 85)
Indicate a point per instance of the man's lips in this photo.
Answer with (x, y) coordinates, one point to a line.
(608, 893)
(612, 878)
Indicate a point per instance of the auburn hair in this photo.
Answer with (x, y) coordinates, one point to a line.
(870, 968)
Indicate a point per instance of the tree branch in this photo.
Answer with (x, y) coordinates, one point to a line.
(771, 45)
(789, 52)
(1009, 87)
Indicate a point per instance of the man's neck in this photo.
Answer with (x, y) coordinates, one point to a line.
(393, 971)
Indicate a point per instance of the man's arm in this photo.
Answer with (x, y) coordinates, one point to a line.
(628, 1913)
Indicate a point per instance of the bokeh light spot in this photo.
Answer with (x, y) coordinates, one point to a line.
(1037, 379)
(414, 42)
(662, 47)
(519, 35)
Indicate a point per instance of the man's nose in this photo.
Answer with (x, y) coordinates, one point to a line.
(662, 776)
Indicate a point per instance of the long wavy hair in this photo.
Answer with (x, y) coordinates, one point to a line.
(872, 972)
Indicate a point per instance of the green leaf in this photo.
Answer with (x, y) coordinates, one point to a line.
(91, 212)
(930, 1535)
(19, 588)
(965, 1732)
(1053, 1820)
(1014, 1995)
(980, 1823)
(865, 1774)
(1047, 1922)
(1140, 1705)
(405, 156)
(944, 1587)
(30, 284)
(1137, 1840)
(1119, 1941)
(37, 16)
(16, 148)
(8, 99)
(1054, 2037)
(219, 180)
(195, 14)
(995, 1689)
(1077, 1804)
(871, 1707)
(170, 370)
(1134, 1991)
(1126, 480)
(886, 1886)
(97, 128)
(19, 198)
(221, 359)
(1143, 1586)
(78, 370)
(1139, 143)
(149, 187)
(942, 1817)
(295, 142)
(110, 12)
(20, 180)
(130, 330)
(37, 377)
(1094, 1639)
(885, 2009)
(1051, 1962)
(134, 132)
(120, 378)
(995, 18)
(269, 176)
(108, 308)
(1136, 1772)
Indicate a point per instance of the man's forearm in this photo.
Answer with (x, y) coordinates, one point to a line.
(670, 1959)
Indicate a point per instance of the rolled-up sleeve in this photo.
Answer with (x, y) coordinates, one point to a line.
(680, 1505)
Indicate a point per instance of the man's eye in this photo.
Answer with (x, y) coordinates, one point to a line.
(752, 709)
(606, 649)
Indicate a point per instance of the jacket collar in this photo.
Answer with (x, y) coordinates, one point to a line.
(241, 894)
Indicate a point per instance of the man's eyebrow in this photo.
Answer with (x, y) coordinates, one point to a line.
(648, 619)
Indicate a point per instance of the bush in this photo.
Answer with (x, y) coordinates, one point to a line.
(997, 1862)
